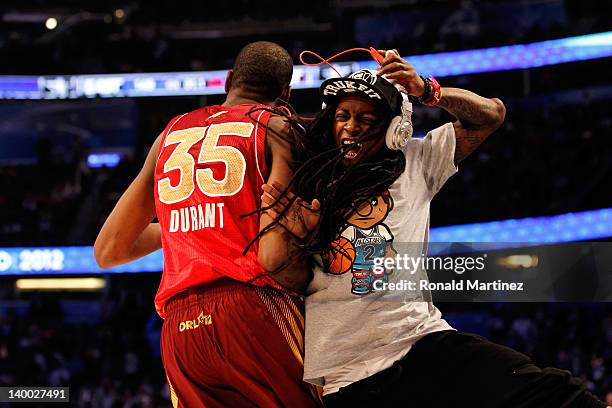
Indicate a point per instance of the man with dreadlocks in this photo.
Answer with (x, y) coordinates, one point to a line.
(371, 347)
(233, 326)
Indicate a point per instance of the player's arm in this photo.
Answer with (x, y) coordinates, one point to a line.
(477, 117)
(278, 253)
(128, 232)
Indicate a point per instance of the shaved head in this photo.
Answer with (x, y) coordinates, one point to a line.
(264, 68)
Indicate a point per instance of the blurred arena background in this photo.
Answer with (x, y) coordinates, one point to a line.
(75, 128)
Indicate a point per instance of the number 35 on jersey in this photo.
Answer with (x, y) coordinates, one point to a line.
(210, 151)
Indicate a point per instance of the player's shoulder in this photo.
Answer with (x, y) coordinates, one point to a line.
(188, 115)
(278, 128)
(205, 112)
(287, 124)
(200, 116)
(278, 123)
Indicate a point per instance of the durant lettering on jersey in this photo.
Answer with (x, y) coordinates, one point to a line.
(196, 217)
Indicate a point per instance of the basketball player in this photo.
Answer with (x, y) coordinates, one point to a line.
(232, 334)
(379, 348)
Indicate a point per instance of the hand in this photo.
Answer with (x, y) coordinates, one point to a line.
(390, 252)
(300, 219)
(398, 69)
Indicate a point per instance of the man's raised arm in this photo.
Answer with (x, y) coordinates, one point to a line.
(477, 117)
(278, 252)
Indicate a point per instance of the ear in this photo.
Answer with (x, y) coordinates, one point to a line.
(228, 80)
(286, 94)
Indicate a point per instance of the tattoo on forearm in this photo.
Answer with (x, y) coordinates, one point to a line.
(467, 144)
(472, 139)
(472, 110)
(478, 117)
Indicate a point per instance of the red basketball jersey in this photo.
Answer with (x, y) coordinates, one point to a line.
(209, 171)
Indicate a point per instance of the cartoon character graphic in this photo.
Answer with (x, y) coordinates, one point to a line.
(365, 238)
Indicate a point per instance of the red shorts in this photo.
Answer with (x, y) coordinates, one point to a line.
(233, 344)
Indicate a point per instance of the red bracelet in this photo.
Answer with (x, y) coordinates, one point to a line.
(435, 92)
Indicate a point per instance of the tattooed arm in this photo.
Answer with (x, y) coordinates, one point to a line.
(278, 254)
(477, 118)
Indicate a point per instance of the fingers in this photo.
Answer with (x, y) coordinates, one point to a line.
(315, 206)
(280, 218)
(279, 188)
(269, 203)
(410, 80)
(270, 189)
(279, 207)
(395, 66)
(384, 52)
(267, 200)
(272, 213)
(390, 59)
(393, 62)
(404, 79)
(389, 55)
(391, 67)
(273, 192)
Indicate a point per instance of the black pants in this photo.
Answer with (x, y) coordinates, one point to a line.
(450, 369)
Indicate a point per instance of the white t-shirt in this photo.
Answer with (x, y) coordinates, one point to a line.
(353, 331)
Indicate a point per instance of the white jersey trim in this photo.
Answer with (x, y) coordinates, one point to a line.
(256, 147)
(166, 135)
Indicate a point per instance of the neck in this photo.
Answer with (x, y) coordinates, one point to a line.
(239, 97)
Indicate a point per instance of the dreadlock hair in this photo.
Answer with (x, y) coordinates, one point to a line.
(319, 173)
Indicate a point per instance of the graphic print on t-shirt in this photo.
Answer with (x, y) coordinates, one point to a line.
(364, 239)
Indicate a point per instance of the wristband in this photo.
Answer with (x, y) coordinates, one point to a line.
(432, 94)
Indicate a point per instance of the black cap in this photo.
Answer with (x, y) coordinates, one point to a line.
(366, 83)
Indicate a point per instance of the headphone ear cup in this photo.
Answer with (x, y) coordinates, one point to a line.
(391, 130)
(399, 131)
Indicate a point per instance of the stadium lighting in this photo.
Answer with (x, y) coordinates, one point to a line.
(119, 14)
(155, 84)
(486, 236)
(51, 23)
(570, 227)
(60, 284)
(97, 160)
(519, 261)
